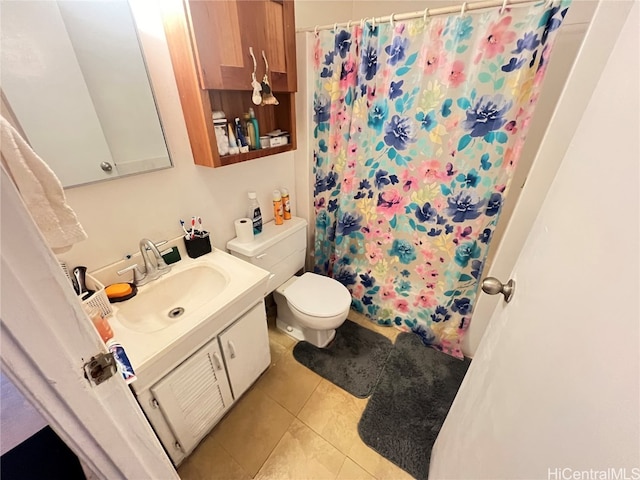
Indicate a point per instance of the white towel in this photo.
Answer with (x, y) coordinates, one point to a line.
(41, 191)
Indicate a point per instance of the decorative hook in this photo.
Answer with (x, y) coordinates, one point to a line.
(255, 64)
(256, 98)
(463, 9)
(426, 15)
(504, 6)
(391, 20)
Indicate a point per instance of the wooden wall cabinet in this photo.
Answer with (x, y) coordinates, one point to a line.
(209, 44)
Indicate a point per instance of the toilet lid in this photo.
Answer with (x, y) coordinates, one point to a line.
(318, 296)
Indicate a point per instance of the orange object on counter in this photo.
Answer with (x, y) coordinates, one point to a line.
(101, 324)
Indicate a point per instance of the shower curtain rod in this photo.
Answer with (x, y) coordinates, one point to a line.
(428, 12)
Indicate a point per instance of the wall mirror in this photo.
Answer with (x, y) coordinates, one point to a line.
(74, 79)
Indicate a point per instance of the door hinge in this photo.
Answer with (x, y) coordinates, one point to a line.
(100, 368)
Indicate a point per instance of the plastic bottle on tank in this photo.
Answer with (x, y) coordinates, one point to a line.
(254, 213)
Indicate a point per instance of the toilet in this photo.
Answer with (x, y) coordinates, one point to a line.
(310, 306)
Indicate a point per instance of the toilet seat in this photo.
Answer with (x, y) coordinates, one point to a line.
(318, 296)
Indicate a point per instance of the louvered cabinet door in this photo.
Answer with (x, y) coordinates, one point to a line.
(194, 396)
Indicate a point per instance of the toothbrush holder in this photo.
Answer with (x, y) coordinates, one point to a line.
(199, 245)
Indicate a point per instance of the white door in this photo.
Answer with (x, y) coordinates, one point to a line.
(596, 48)
(45, 340)
(554, 389)
(246, 349)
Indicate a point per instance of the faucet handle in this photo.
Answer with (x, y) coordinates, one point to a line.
(138, 274)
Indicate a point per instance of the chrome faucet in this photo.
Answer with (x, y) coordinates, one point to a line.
(153, 267)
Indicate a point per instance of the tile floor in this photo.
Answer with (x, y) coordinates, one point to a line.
(292, 424)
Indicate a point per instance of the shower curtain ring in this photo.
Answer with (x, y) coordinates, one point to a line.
(504, 6)
(463, 9)
(426, 15)
(391, 20)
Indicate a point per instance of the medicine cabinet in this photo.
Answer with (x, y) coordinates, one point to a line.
(210, 42)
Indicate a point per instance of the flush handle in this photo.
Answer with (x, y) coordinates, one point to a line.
(493, 286)
(232, 349)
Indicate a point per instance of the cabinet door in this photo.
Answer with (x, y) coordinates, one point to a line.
(222, 32)
(194, 396)
(246, 349)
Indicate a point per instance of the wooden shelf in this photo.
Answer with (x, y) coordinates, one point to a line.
(263, 152)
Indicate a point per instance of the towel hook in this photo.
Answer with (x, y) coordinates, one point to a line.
(373, 23)
(315, 30)
(255, 64)
(463, 9)
(504, 6)
(335, 26)
(391, 20)
(362, 20)
(349, 25)
(426, 15)
(266, 64)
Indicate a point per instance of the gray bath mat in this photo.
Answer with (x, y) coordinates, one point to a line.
(408, 407)
(353, 360)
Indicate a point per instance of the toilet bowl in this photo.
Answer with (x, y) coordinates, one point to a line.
(311, 307)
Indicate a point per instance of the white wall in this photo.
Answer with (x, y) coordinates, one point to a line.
(117, 214)
(555, 384)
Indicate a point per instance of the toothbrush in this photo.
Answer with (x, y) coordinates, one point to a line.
(186, 232)
(193, 227)
(200, 229)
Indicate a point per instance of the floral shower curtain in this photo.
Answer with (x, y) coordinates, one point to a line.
(418, 128)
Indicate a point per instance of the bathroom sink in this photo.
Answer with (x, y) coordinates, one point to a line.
(180, 311)
(175, 297)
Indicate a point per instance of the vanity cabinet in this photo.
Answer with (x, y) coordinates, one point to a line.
(209, 44)
(186, 403)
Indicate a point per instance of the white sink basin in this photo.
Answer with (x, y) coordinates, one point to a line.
(175, 297)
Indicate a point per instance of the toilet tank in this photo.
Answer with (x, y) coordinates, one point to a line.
(280, 249)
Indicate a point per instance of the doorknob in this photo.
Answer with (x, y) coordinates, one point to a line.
(493, 286)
